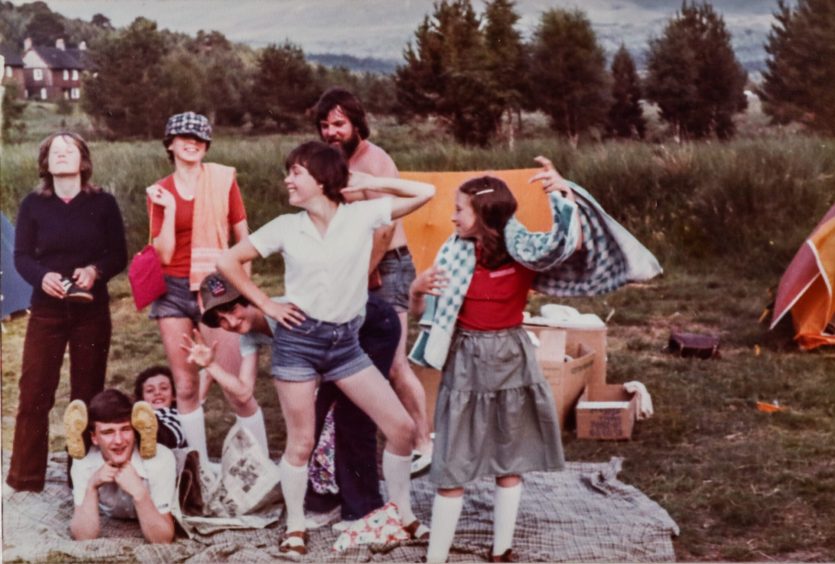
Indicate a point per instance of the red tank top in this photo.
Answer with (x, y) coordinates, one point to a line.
(496, 298)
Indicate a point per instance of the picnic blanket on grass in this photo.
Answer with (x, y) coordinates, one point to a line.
(584, 514)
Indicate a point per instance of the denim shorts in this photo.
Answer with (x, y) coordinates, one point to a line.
(397, 272)
(318, 348)
(178, 301)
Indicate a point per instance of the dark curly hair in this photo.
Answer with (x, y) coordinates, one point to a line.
(151, 371)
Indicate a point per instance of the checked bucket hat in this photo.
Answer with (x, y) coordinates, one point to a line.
(189, 123)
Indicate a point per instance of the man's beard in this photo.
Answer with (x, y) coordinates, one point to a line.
(349, 147)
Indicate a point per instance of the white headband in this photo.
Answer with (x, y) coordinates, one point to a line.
(485, 191)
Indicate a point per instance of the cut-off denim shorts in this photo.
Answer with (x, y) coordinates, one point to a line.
(177, 301)
(397, 272)
(318, 348)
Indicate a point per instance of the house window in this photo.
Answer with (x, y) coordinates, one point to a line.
(43, 94)
(75, 93)
(75, 75)
(66, 94)
(8, 72)
(38, 74)
(66, 74)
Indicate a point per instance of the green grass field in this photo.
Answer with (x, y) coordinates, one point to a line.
(724, 218)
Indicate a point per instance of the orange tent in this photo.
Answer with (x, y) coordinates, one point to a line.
(806, 287)
(431, 225)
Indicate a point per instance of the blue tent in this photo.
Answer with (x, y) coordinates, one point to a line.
(15, 292)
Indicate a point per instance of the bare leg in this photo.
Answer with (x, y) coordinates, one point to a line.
(187, 382)
(372, 394)
(297, 405)
(228, 353)
(410, 391)
(185, 375)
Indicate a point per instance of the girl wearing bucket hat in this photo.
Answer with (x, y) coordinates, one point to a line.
(192, 213)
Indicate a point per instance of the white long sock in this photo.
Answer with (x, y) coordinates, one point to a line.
(194, 428)
(294, 488)
(396, 470)
(505, 509)
(445, 514)
(255, 425)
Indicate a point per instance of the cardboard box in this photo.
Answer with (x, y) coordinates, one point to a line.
(591, 338)
(606, 412)
(567, 379)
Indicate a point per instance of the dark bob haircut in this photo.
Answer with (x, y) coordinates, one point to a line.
(47, 186)
(150, 372)
(325, 164)
(108, 406)
(351, 107)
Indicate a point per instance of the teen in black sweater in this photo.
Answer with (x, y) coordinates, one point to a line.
(69, 242)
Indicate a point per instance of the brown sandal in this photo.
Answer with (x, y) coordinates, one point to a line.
(294, 541)
(417, 531)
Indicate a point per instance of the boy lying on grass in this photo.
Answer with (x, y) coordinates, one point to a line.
(119, 477)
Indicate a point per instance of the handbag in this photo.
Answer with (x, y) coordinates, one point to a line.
(688, 345)
(147, 282)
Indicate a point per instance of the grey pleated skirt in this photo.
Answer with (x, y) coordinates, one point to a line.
(495, 414)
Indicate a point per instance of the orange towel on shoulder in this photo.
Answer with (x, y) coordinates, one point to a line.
(210, 223)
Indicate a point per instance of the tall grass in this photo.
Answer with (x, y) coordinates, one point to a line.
(747, 202)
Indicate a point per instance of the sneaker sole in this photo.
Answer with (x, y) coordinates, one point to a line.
(75, 422)
(80, 297)
(144, 420)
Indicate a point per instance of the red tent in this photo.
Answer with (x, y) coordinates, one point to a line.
(807, 285)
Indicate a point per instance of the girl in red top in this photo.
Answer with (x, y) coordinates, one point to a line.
(193, 213)
(495, 414)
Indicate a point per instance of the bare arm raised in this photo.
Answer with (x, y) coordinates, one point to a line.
(231, 265)
(408, 195)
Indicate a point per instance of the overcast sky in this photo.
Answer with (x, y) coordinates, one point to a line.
(381, 28)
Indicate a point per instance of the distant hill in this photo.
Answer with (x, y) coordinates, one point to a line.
(370, 35)
(356, 64)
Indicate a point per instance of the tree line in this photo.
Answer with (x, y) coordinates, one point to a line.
(474, 73)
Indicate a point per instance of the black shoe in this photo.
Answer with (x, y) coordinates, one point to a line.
(74, 293)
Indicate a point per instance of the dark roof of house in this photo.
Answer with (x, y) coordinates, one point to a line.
(62, 58)
(12, 56)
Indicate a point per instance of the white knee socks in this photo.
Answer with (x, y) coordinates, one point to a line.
(396, 470)
(505, 509)
(294, 488)
(445, 514)
(255, 425)
(194, 428)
